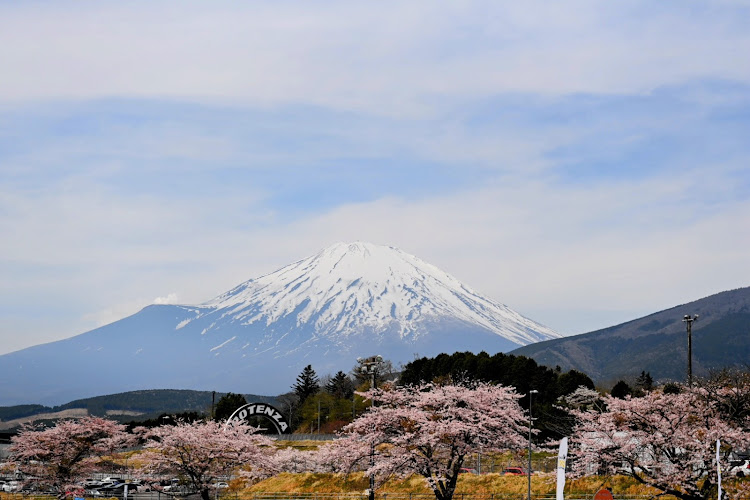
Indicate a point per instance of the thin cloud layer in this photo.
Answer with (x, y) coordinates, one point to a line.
(393, 57)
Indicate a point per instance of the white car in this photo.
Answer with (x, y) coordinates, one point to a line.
(740, 468)
(10, 486)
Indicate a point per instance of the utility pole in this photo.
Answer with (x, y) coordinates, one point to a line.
(688, 320)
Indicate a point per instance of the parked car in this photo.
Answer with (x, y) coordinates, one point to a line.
(141, 485)
(514, 471)
(467, 470)
(170, 485)
(740, 468)
(10, 486)
(116, 490)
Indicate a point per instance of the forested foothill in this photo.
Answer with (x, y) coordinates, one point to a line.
(519, 372)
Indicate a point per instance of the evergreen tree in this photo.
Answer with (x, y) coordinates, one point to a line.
(307, 384)
(568, 382)
(227, 405)
(621, 390)
(645, 382)
(671, 388)
(340, 386)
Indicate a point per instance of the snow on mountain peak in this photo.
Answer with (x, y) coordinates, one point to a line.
(353, 287)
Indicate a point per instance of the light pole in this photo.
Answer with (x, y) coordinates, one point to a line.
(688, 320)
(370, 365)
(528, 471)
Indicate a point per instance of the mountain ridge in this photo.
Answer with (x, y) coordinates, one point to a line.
(657, 343)
(347, 301)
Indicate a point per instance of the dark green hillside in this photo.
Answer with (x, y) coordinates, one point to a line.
(20, 411)
(148, 401)
(658, 343)
(133, 405)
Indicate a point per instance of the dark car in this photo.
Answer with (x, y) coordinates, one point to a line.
(514, 471)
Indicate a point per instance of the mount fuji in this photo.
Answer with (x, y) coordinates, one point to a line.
(348, 301)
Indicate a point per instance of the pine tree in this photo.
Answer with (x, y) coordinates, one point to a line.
(340, 386)
(645, 382)
(307, 384)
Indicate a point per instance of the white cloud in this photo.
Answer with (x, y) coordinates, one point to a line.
(169, 299)
(393, 58)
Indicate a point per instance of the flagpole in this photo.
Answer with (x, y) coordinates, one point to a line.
(718, 467)
(562, 458)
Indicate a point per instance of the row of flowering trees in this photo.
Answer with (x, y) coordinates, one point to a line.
(667, 441)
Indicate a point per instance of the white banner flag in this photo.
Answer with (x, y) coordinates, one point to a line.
(718, 466)
(562, 458)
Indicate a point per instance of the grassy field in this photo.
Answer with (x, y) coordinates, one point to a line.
(468, 484)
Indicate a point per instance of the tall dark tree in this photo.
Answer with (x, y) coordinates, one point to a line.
(621, 390)
(307, 384)
(227, 405)
(645, 382)
(340, 386)
(568, 382)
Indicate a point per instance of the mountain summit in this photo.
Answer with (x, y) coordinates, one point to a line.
(349, 300)
(348, 289)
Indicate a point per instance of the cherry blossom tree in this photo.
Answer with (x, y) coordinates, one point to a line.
(60, 457)
(294, 461)
(666, 441)
(203, 452)
(429, 430)
(730, 388)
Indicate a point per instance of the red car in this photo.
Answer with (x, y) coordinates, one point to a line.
(514, 471)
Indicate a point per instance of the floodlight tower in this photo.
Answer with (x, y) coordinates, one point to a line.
(688, 320)
(371, 365)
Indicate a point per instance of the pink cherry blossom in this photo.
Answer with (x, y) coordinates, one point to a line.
(204, 452)
(429, 430)
(60, 457)
(666, 441)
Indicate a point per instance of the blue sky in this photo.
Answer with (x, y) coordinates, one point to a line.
(585, 162)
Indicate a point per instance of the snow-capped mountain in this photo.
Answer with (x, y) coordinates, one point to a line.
(349, 300)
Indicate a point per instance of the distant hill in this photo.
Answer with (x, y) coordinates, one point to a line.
(658, 343)
(125, 407)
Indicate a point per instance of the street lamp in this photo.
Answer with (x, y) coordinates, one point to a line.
(371, 365)
(528, 471)
(688, 320)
